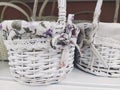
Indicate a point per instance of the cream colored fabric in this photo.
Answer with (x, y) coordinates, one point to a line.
(110, 30)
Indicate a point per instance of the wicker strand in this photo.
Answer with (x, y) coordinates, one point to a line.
(96, 53)
(116, 11)
(47, 18)
(34, 10)
(16, 7)
(3, 11)
(97, 12)
(53, 7)
(42, 8)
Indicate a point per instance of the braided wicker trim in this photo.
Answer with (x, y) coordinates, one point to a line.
(23, 44)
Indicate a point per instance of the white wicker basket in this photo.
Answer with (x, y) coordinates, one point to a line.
(41, 53)
(3, 51)
(100, 47)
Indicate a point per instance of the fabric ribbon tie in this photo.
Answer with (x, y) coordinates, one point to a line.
(62, 42)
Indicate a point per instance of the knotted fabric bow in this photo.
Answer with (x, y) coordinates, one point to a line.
(64, 40)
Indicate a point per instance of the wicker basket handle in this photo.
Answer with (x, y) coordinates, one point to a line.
(97, 11)
(20, 2)
(42, 8)
(95, 28)
(61, 6)
(35, 10)
(16, 7)
(62, 10)
(96, 16)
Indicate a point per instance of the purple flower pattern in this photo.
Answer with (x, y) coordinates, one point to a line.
(63, 39)
(48, 33)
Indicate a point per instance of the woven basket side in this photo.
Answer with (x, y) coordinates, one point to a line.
(90, 63)
(38, 66)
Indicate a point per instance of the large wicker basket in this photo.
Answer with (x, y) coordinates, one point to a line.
(41, 52)
(100, 47)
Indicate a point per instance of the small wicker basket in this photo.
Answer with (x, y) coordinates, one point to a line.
(41, 52)
(100, 47)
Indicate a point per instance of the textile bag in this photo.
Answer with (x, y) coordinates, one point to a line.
(99, 43)
(41, 52)
(3, 50)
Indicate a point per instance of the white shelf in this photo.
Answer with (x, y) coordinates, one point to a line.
(76, 80)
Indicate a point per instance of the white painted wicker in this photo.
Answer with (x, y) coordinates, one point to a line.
(100, 47)
(41, 52)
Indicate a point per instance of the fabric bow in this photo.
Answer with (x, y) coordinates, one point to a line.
(63, 41)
